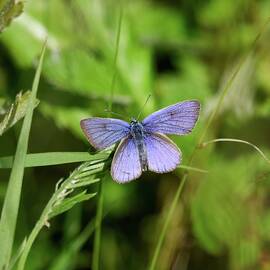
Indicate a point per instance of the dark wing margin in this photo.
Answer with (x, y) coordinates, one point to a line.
(178, 119)
(104, 132)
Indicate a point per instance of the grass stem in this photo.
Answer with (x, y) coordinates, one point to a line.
(204, 144)
(98, 223)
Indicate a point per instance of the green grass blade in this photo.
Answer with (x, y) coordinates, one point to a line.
(204, 144)
(98, 222)
(57, 158)
(52, 158)
(12, 198)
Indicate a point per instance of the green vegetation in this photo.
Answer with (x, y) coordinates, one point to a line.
(212, 212)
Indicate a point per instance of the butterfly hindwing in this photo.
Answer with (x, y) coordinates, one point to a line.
(162, 154)
(104, 132)
(178, 119)
(126, 164)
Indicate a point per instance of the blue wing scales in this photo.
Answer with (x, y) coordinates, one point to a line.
(104, 132)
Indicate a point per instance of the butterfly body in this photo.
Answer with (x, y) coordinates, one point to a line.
(138, 134)
(144, 145)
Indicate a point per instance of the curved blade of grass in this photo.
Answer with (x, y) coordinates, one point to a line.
(204, 144)
(12, 198)
(209, 122)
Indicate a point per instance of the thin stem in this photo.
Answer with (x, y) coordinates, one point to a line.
(200, 140)
(98, 223)
(39, 225)
(189, 168)
(141, 110)
(204, 144)
(98, 220)
(115, 58)
(34, 233)
(167, 222)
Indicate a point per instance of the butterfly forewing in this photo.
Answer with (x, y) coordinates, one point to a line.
(126, 164)
(162, 154)
(178, 119)
(104, 132)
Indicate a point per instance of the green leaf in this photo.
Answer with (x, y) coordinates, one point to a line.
(9, 10)
(15, 111)
(12, 198)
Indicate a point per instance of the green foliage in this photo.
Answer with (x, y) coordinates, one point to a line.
(174, 50)
(9, 9)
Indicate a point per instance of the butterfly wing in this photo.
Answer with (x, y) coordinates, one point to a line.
(178, 119)
(126, 164)
(104, 132)
(162, 154)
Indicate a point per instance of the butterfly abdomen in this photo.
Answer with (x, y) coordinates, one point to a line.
(138, 135)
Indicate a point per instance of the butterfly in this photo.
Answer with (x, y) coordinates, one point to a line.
(144, 145)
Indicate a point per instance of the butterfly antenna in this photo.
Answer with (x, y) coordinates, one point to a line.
(143, 106)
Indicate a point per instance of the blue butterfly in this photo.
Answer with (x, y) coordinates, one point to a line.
(143, 144)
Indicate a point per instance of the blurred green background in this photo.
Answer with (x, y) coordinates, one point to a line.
(173, 50)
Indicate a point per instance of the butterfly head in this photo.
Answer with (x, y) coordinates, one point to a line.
(133, 121)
